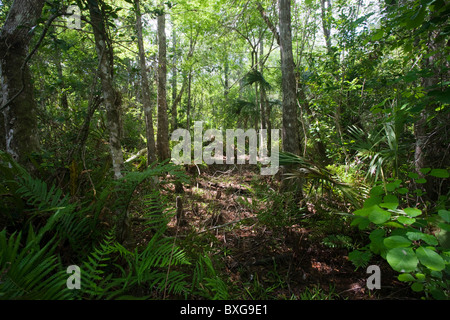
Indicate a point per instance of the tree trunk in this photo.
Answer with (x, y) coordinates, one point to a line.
(291, 142)
(21, 130)
(326, 25)
(163, 125)
(110, 96)
(62, 85)
(146, 94)
(174, 80)
(188, 111)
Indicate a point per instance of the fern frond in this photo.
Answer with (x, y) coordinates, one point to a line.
(30, 272)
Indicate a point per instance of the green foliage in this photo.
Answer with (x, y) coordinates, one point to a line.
(29, 270)
(299, 167)
(206, 282)
(413, 242)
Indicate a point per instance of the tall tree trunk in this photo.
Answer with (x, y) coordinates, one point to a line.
(325, 6)
(110, 96)
(19, 113)
(62, 85)
(262, 98)
(291, 141)
(163, 125)
(174, 80)
(188, 111)
(146, 94)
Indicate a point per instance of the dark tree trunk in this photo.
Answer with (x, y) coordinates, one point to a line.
(21, 132)
(163, 125)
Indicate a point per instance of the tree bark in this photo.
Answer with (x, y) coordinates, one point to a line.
(21, 130)
(174, 81)
(326, 14)
(291, 142)
(163, 125)
(146, 94)
(110, 96)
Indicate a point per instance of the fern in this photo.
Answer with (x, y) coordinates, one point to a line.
(215, 288)
(30, 272)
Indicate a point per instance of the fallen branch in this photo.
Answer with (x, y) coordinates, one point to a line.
(226, 224)
(137, 155)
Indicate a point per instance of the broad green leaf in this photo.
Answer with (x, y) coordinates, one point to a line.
(402, 259)
(420, 276)
(373, 200)
(376, 191)
(406, 277)
(396, 242)
(421, 180)
(402, 190)
(405, 220)
(413, 175)
(439, 173)
(432, 260)
(412, 212)
(417, 287)
(444, 214)
(425, 170)
(378, 215)
(417, 18)
(361, 222)
(376, 237)
(389, 202)
(378, 35)
(428, 238)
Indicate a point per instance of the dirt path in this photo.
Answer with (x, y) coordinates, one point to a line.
(262, 261)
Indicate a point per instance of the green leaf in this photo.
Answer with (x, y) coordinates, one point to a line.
(378, 215)
(405, 220)
(402, 190)
(413, 175)
(390, 202)
(372, 201)
(417, 18)
(378, 35)
(432, 260)
(396, 242)
(402, 259)
(444, 214)
(417, 287)
(412, 212)
(406, 277)
(392, 186)
(376, 191)
(425, 170)
(428, 238)
(421, 180)
(361, 222)
(376, 237)
(439, 173)
(420, 276)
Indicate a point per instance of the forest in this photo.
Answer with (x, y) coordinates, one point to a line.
(237, 150)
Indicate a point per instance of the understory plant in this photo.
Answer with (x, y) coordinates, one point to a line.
(413, 241)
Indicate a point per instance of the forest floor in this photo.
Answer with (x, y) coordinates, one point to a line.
(225, 214)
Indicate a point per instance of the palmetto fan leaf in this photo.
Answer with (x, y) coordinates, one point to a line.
(377, 150)
(299, 167)
(254, 76)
